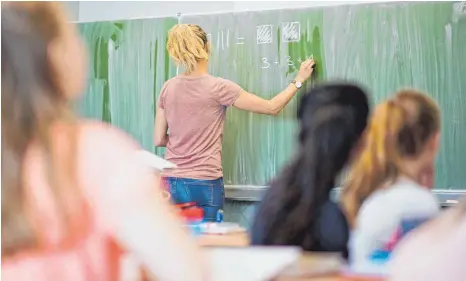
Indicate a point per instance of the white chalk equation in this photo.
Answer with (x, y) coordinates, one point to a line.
(222, 40)
(287, 60)
(264, 34)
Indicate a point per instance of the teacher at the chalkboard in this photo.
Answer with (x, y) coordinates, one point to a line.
(192, 106)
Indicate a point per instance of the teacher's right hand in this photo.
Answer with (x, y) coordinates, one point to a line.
(305, 70)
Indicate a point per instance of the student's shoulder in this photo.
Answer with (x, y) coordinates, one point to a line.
(402, 190)
(331, 208)
(412, 192)
(404, 196)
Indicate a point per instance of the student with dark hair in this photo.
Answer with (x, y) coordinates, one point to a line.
(297, 209)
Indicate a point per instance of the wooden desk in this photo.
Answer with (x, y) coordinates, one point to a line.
(307, 259)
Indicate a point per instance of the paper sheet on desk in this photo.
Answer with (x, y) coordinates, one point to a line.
(251, 263)
(155, 161)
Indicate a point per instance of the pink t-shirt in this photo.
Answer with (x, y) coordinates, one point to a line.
(122, 210)
(195, 109)
(95, 255)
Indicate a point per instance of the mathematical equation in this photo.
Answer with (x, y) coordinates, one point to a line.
(290, 32)
(266, 63)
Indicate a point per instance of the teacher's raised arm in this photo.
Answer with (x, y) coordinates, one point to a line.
(251, 102)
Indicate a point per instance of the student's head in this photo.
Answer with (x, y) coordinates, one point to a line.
(332, 119)
(402, 139)
(188, 45)
(43, 67)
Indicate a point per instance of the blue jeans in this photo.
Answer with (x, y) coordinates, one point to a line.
(207, 194)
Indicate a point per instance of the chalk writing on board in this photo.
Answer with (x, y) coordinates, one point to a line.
(240, 41)
(265, 63)
(224, 39)
(291, 31)
(264, 34)
(287, 60)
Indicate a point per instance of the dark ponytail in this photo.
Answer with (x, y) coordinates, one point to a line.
(332, 118)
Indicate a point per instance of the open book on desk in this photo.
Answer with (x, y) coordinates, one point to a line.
(250, 263)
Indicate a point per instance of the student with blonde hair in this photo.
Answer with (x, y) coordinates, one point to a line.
(192, 106)
(75, 195)
(385, 195)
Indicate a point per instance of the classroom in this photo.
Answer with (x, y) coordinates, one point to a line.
(306, 139)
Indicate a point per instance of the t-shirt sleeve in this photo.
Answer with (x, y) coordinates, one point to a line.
(228, 92)
(161, 100)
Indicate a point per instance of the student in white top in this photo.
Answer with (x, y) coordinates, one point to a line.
(387, 194)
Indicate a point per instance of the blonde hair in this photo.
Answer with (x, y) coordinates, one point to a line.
(187, 45)
(400, 127)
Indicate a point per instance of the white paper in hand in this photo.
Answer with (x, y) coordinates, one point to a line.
(251, 263)
(155, 161)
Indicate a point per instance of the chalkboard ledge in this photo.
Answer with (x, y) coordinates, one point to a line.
(251, 193)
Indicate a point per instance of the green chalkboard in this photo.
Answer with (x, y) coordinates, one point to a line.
(382, 46)
(128, 66)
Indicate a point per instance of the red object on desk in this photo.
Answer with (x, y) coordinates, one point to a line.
(190, 211)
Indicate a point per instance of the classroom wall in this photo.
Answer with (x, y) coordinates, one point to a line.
(73, 9)
(111, 10)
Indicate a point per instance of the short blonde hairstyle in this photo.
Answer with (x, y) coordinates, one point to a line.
(187, 45)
